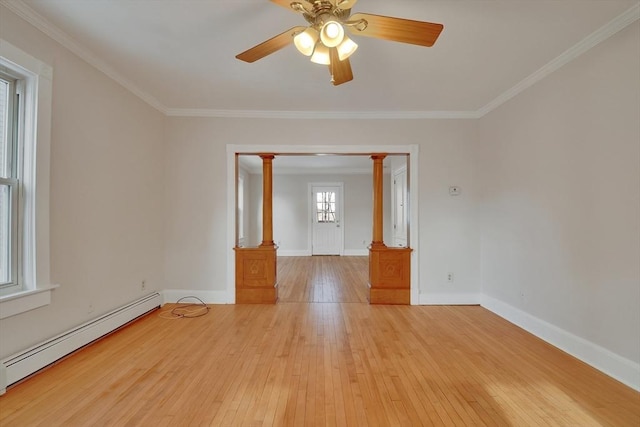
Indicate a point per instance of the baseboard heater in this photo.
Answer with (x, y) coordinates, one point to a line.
(25, 363)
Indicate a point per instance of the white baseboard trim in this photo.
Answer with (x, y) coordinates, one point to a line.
(299, 252)
(356, 252)
(618, 367)
(449, 299)
(208, 297)
(31, 360)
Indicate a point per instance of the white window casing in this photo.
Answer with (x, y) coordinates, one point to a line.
(35, 78)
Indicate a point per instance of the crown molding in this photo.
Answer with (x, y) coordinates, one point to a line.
(34, 18)
(334, 115)
(598, 36)
(614, 26)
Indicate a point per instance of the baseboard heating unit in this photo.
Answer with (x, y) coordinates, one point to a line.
(25, 363)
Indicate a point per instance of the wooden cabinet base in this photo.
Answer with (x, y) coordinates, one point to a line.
(256, 281)
(389, 275)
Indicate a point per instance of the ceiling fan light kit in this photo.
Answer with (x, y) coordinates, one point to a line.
(325, 39)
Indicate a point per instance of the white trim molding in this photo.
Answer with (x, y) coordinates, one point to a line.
(35, 233)
(595, 38)
(24, 301)
(34, 18)
(618, 367)
(323, 115)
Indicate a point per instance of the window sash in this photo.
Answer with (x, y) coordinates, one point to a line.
(9, 181)
(9, 233)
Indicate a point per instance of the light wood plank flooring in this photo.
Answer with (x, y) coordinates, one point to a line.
(323, 279)
(321, 364)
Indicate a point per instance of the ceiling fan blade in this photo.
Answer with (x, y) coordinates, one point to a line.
(397, 29)
(340, 70)
(270, 46)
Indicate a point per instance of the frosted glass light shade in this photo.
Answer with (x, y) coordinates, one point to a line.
(306, 41)
(321, 55)
(332, 34)
(346, 48)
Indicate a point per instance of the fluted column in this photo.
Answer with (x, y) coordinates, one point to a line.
(267, 199)
(378, 231)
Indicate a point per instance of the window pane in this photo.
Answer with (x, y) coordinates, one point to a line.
(5, 234)
(4, 127)
(326, 206)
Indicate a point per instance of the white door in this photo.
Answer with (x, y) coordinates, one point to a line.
(400, 208)
(326, 219)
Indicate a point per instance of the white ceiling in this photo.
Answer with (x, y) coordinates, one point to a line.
(179, 55)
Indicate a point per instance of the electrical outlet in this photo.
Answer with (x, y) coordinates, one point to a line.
(449, 277)
(143, 285)
(90, 308)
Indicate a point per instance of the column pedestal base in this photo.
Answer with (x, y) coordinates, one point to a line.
(389, 275)
(256, 281)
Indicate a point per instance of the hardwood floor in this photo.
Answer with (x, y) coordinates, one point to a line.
(323, 279)
(317, 364)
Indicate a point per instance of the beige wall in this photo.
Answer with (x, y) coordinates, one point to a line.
(561, 198)
(196, 248)
(105, 193)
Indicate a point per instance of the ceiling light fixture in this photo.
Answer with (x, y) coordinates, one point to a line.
(324, 40)
(326, 31)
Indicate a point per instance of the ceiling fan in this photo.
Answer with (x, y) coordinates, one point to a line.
(326, 41)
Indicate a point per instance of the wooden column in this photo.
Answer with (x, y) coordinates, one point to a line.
(256, 268)
(378, 231)
(267, 199)
(389, 268)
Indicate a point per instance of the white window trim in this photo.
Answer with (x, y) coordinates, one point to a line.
(37, 287)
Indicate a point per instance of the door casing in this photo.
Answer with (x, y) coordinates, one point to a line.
(412, 150)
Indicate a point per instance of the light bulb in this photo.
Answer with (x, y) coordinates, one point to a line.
(306, 41)
(332, 34)
(333, 30)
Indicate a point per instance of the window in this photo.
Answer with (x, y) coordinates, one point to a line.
(9, 184)
(326, 206)
(25, 136)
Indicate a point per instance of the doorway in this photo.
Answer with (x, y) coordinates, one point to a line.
(410, 151)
